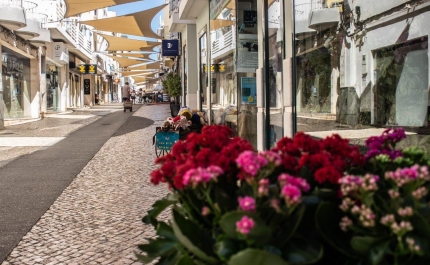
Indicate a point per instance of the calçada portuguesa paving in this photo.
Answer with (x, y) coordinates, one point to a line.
(97, 218)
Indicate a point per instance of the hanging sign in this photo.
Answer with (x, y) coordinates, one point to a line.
(87, 68)
(87, 86)
(170, 48)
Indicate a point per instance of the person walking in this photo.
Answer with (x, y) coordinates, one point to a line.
(133, 96)
(125, 92)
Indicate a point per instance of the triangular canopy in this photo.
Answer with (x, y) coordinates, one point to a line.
(137, 73)
(154, 66)
(134, 54)
(124, 62)
(138, 24)
(139, 79)
(126, 44)
(74, 7)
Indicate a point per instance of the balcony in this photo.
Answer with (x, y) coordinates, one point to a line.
(302, 29)
(45, 37)
(322, 17)
(191, 9)
(33, 28)
(223, 45)
(176, 24)
(12, 14)
(68, 31)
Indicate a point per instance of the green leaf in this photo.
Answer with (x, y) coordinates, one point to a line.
(165, 231)
(157, 248)
(225, 247)
(287, 230)
(158, 207)
(420, 224)
(193, 237)
(363, 244)
(261, 233)
(185, 260)
(300, 250)
(377, 253)
(256, 257)
(327, 219)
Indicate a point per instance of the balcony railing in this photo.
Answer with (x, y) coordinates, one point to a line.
(42, 18)
(173, 6)
(224, 44)
(27, 5)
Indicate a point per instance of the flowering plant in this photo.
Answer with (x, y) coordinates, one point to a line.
(304, 201)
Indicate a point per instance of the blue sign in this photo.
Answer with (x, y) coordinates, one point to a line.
(165, 140)
(249, 90)
(170, 48)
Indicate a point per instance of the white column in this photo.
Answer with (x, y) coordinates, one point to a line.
(31, 90)
(192, 66)
(288, 69)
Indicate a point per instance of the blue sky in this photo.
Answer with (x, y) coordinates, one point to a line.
(140, 6)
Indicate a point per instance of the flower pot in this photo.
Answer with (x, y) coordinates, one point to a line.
(174, 109)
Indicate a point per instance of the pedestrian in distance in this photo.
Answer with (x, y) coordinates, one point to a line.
(133, 96)
(125, 92)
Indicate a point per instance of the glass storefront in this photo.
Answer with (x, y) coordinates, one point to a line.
(16, 84)
(273, 61)
(360, 70)
(52, 89)
(233, 61)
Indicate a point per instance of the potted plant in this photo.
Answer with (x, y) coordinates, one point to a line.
(172, 84)
(305, 201)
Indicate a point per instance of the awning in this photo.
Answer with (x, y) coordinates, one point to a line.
(136, 73)
(134, 54)
(126, 44)
(155, 66)
(139, 79)
(138, 24)
(74, 7)
(124, 62)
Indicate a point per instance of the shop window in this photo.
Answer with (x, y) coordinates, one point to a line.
(15, 82)
(401, 84)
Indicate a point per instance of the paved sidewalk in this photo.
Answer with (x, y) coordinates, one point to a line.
(97, 218)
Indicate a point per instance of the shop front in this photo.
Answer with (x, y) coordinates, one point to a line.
(52, 87)
(16, 84)
(229, 72)
(360, 69)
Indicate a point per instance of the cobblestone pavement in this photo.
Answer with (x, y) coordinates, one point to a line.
(97, 219)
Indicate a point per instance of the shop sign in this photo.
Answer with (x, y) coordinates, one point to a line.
(87, 68)
(170, 48)
(216, 6)
(87, 86)
(249, 90)
(60, 53)
(165, 140)
(215, 68)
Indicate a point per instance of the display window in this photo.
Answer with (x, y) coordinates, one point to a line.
(16, 83)
(360, 70)
(232, 65)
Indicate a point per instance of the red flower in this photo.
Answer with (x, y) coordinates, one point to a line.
(330, 174)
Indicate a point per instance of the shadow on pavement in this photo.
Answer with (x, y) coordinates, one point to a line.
(133, 123)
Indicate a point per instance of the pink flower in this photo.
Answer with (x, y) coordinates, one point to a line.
(274, 203)
(285, 179)
(263, 187)
(272, 157)
(196, 175)
(291, 194)
(205, 211)
(246, 203)
(245, 225)
(250, 162)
